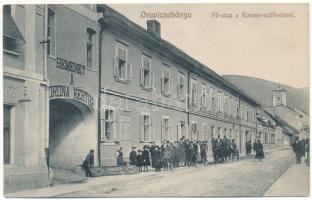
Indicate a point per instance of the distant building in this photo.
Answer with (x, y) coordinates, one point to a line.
(293, 117)
(279, 97)
(271, 131)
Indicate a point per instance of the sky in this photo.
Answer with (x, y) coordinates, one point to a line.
(274, 48)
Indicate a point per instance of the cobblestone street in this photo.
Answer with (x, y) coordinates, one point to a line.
(244, 178)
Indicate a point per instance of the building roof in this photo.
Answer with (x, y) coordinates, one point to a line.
(114, 20)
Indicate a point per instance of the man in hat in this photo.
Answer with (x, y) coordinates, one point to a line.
(88, 163)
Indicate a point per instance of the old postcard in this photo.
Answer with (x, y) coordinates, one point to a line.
(155, 100)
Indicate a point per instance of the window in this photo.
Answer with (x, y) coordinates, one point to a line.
(194, 94)
(204, 96)
(231, 134)
(125, 127)
(166, 134)
(226, 133)
(90, 47)
(51, 33)
(194, 131)
(122, 68)
(213, 99)
(146, 128)
(204, 135)
(273, 138)
(7, 135)
(146, 74)
(242, 111)
(219, 132)
(213, 134)
(181, 86)
(166, 81)
(109, 126)
(9, 43)
(182, 130)
(221, 101)
(226, 104)
(246, 113)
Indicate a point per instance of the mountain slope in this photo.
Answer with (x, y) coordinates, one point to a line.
(261, 90)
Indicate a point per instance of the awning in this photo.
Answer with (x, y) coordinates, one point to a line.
(10, 29)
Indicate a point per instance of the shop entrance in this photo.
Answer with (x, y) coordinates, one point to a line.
(72, 133)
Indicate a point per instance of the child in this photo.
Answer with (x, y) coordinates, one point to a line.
(140, 160)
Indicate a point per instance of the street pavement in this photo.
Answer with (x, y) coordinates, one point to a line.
(248, 177)
(294, 182)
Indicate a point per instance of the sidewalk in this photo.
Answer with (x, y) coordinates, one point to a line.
(294, 182)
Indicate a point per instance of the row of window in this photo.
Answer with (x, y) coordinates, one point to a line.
(116, 128)
(209, 98)
(267, 138)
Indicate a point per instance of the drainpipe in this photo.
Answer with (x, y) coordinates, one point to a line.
(47, 103)
(99, 97)
(102, 25)
(188, 103)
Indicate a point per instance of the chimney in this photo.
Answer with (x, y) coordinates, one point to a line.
(153, 26)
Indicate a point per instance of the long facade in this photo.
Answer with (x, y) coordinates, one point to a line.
(92, 79)
(155, 92)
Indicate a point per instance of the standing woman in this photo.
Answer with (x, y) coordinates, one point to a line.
(259, 151)
(157, 159)
(120, 161)
(146, 159)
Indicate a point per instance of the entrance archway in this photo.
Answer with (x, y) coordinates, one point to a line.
(72, 133)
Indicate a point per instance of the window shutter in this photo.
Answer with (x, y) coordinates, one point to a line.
(152, 80)
(129, 71)
(179, 131)
(142, 76)
(162, 129)
(162, 84)
(116, 126)
(142, 128)
(115, 66)
(170, 86)
(170, 131)
(153, 133)
(151, 130)
(208, 99)
(178, 91)
(103, 130)
(187, 128)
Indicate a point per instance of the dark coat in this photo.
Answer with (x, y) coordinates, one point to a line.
(157, 161)
(146, 158)
(189, 151)
(133, 158)
(140, 160)
(120, 161)
(259, 151)
(88, 161)
(152, 150)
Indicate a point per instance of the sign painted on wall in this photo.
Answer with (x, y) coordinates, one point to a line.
(69, 92)
(70, 66)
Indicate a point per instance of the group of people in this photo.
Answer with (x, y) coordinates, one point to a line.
(168, 155)
(185, 152)
(302, 149)
(224, 149)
